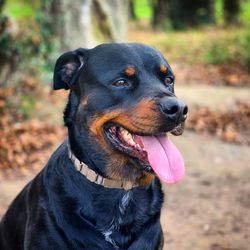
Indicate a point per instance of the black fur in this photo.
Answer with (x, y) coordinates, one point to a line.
(60, 208)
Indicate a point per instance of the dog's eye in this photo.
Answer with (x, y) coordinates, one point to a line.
(120, 83)
(169, 81)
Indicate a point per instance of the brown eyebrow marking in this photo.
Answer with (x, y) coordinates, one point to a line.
(163, 69)
(130, 71)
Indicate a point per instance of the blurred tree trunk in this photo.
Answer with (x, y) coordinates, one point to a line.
(8, 53)
(110, 17)
(231, 10)
(161, 12)
(2, 18)
(1, 5)
(176, 14)
(182, 13)
(77, 24)
(211, 11)
(132, 14)
(84, 23)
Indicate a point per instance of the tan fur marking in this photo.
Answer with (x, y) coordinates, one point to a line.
(146, 179)
(163, 69)
(143, 117)
(130, 71)
(98, 122)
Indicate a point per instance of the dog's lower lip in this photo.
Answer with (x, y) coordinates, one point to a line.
(178, 130)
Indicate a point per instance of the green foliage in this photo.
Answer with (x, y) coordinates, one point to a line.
(245, 12)
(217, 53)
(33, 41)
(49, 45)
(205, 46)
(143, 9)
(6, 42)
(232, 48)
(218, 11)
(27, 104)
(28, 48)
(20, 10)
(14, 11)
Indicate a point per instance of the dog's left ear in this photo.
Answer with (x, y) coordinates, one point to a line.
(67, 69)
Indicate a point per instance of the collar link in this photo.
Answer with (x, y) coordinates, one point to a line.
(92, 176)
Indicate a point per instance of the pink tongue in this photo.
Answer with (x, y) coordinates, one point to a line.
(165, 159)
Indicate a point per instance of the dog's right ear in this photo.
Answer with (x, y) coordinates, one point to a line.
(67, 69)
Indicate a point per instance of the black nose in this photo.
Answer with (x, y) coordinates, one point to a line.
(175, 109)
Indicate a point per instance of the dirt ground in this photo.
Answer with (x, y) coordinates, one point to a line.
(209, 209)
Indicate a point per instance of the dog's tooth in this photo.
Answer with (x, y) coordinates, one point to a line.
(128, 137)
(124, 134)
(123, 131)
(131, 142)
(128, 134)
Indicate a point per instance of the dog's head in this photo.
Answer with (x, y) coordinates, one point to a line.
(121, 105)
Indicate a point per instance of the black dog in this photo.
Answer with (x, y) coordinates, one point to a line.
(101, 188)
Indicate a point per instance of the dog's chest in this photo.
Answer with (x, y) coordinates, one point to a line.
(116, 223)
(127, 220)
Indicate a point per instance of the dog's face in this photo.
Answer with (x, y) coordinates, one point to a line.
(120, 94)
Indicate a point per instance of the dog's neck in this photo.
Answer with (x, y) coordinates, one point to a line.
(114, 211)
(92, 176)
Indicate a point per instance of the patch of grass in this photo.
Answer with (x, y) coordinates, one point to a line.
(233, 47)
(183, 46)
(19, 10)
(206, 46)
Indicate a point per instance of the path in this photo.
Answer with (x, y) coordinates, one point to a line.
(211, 96)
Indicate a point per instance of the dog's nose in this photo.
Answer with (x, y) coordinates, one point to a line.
(174, 109)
